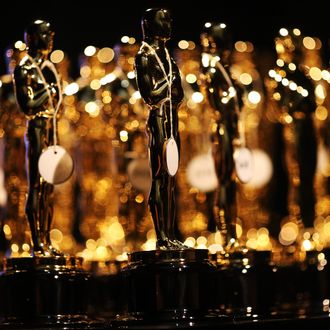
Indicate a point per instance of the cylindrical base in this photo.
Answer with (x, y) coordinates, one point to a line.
(43, 291)
(244, 284)
(302, 288)
(211, 324)
(106, 288)
(170, 285)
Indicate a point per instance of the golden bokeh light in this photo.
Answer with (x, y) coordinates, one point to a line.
(183, 44)
(123, 135)
(191, 78)
(124, 39)
(92, 108)
(90, 51)
(315, 73)
(321, 113)
(56, 235)
(288, 233)
(320, 92)
(254, 97)
(14, 248)
(105, 55)
(296, 32)
(197, 97)
(95, 84)
(6, 230)
(241, 46)
(71, 89)
(20, 45)
(283, 32)
(309, 43)
(245, 78)
(57, 56)
(190, 242)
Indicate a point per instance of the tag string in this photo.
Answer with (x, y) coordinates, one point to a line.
(51, 66)
(168, 79)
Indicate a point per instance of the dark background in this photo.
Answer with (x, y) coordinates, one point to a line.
(102, 23)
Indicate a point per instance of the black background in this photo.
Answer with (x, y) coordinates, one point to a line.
(102, 23)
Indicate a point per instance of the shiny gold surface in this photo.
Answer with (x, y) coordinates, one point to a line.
(12, 160)
(292, 105)
(159, 84)
(222, 96)
(101, 213)
(37, 92)
(193, 203)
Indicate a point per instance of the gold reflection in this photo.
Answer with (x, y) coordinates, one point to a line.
(106, 130)
(309, 43)
(105, 55)
(320, 76)
(241, 46)
(194, 122)
(321, 113)
(315, 73)
(292, 102)
(183, 44)
(245, 78)
(57, 56)
(250, 211)
(20, 45)
(13, 185)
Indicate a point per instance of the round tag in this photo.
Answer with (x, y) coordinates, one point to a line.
(243, 164)
(55, 165)
(201, 174)
(138, 171)
(3, 192)
(323, 160)
(262, 169)
(172, 157)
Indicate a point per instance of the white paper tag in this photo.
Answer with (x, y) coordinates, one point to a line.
(138, 171)
(172, 157)
(323, 160)
(262, 169)
(243, 164)
(55, 165)
(201, 173)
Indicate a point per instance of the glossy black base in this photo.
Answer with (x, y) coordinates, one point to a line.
(321, 323)
(44, 292)
(106, 289)
(168, 285)
(245, 288)
(53, 322)
(303, 289)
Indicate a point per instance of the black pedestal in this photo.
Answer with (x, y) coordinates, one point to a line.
(245, 285)
(44, 293)
(313, 289)
(319, 323)
(168, 288)
(302, 288)
(106, 289)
